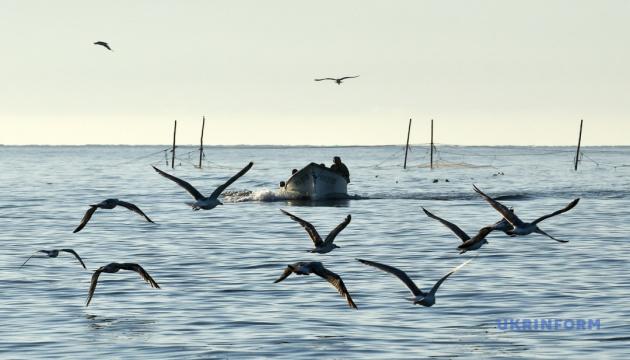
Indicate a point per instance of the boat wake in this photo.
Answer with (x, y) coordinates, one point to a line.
(268, 195)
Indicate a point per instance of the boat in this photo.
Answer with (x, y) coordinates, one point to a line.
(315, 182)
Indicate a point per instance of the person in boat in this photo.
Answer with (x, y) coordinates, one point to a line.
(340, 168)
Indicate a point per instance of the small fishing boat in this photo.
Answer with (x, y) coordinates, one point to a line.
(315, 182)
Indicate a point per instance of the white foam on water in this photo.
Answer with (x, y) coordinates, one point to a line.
(264, 195)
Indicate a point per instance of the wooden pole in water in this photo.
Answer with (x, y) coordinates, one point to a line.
(407, 147)
(577, 153)
(203, 124)
(431, 144)
(173, 157)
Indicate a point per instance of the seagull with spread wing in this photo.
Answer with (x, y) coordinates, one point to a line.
(109, 204)
(420, 297)
(468, 243)
(520, 227)
(114, 268)
(321, 246)
(338, 80)
(54, 253)
(202, 202)
(317, 268)
(103, 44)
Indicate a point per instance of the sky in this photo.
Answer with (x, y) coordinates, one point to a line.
(491, 72)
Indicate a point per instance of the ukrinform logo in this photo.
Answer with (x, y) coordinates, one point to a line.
(548, 324)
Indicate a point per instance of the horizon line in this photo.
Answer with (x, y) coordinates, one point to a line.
(320, 145)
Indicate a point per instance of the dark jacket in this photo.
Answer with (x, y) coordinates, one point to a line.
(342, 170)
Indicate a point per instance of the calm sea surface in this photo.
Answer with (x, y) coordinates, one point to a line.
(217, 267)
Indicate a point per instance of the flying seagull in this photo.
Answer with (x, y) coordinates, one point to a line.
(420, 297)
(520, 227)
(321, 246)
(104, 44)
(338, 80)
(108, 204)
(114, 268)
(54, 253)
(469, 243)
(317, 268)
(202, 202)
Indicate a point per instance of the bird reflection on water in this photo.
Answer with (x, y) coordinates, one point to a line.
(127, 325)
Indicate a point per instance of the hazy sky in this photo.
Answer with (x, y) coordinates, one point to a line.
(488, 72)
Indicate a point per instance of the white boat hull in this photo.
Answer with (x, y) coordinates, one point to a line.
(316, 182)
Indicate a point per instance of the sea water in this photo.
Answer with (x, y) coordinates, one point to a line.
(216, 268)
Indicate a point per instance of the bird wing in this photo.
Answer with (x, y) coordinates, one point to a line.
(333, 234)
(285, 274)
(140, 270)
(538, 230)
(336, 281)
(502, 225)
(95, 276)
(502, 209)
(215, 194)
(326, 79)
(29, 258)
(102, 43)
(348, 77)
(570, 206)
(398, 273)
(191, 189)
(86, 218)
(133, 208)
(454, 228)
(435, 287)
(75, 255)
(483, 232)
(310, 229)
